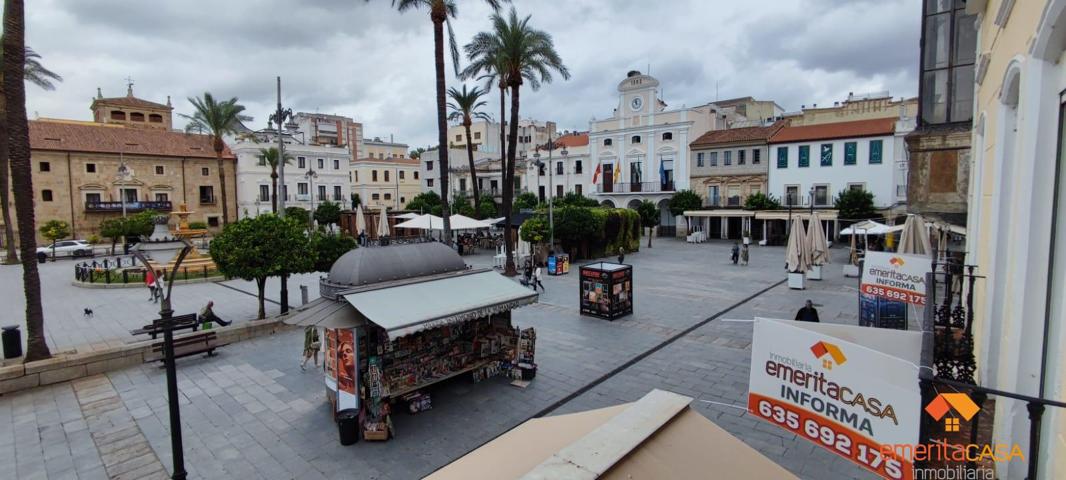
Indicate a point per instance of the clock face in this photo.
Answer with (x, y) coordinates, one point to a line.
(636, 103)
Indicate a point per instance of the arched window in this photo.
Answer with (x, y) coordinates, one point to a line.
(635, 139)
(668, 136)
(136, 117)
(607, 142)
(118, 115)
(155, 118)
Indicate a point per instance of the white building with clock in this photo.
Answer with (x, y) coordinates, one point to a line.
(642, 153)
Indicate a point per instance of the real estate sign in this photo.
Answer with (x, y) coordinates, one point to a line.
(852, 390)
(895, 276)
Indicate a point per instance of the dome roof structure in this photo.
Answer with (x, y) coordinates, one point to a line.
(364, 266)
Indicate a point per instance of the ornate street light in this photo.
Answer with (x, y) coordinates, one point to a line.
(162, 247)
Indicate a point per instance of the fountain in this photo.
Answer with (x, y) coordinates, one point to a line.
(194, 261)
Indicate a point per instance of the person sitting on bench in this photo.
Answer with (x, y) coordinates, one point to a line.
(207, 314)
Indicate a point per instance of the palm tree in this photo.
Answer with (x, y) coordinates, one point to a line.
(269, 157)
(218, 119)
(439, 13)
(14, 71)
(520, 54)
(42, 77)
(464, 106)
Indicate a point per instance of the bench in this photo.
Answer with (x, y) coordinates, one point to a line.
(181, 322)
(204, 342)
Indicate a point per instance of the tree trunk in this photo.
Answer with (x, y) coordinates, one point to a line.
(508, 182)
(219, 146)
(21, 173)
(438, 16)
(650, 230)
(274, 190)
(260, 283)
(473, 173)
(11, 257)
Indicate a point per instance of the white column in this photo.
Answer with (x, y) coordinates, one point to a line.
(725, 228)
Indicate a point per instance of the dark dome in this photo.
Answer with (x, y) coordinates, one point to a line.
(364, 266)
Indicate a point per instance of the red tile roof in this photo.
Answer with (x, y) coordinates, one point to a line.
(72, 136)
(828, 131)
(576, 139)
(737, 135)
(129, 101)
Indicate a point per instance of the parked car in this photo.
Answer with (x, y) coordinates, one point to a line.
(66, 248)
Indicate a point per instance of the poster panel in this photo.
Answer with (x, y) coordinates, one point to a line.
(346, 374)
(895, 276)
(849, 398)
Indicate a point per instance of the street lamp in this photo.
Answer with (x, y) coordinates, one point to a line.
(161, 247)
(565, 153)
(311, 175)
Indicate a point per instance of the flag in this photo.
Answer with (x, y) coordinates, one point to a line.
(617, 172)
(596, 174)
(662, 172)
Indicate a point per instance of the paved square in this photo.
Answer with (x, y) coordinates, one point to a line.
(252, 413)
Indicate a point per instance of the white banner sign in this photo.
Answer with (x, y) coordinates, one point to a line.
(818, 382)
(895, 276)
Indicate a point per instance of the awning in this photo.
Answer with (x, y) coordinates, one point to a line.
(797, 214)
(325, 313)
(721, 212)
(405, 309)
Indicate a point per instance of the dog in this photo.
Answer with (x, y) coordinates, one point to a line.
(87, 312)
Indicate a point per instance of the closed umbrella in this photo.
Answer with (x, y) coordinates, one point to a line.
(383, 225)
(360, 221)
(915, 237)
(797, 254)
(816, 240)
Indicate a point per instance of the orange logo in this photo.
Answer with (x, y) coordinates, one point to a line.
(946, 402)
(896, 261)
(821, 349)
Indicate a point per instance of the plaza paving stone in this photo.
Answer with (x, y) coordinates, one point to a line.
(251, 412)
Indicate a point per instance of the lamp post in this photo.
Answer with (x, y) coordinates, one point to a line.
(280, 116)
(564, 152)
(551, 186)
(311, 175)
(161, 247)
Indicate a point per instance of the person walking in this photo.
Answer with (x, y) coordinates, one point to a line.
(621, 254)
(207, 314)
(149, 281)
(744, 255)
(536, 280)
(311, 346)
(808, 313)
(734, 255)
(528, 274)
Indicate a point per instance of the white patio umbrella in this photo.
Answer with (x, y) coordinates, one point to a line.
(817, 243)
(797, 253)
(462, 222)
(423, 222)
(383, 223)
(360, 221)
(915, 237)
(408, 216)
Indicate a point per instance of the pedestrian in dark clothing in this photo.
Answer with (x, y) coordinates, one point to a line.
(744, 255)
(207, 314)
(621, 255)
(807, 313)
(735, 254)
(528, 274)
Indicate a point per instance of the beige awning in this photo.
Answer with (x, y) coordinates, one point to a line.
(325, 313)
(719, 212)
(803, 214)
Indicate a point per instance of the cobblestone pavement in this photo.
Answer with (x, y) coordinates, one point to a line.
(252, 413)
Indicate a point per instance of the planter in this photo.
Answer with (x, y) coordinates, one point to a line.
(797, 281)
(851, 271)
(815, 273)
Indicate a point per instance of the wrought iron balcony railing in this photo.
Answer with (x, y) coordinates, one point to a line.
(130, 206)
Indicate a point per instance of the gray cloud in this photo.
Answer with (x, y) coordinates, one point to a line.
(367, 61)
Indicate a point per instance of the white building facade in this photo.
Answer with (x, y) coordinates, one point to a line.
(813, 163)
(562, 169)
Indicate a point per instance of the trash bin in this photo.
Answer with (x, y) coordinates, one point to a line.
(42, 257)
(12, 340)
(348, 426)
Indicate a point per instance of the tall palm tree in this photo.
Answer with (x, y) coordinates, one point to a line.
(14, 70)
(36, 74)
(218, 119)
(440, 11)
(521, 54)
(465, 107)
(269, 157)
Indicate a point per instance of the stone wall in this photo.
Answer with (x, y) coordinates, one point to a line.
(939, 176)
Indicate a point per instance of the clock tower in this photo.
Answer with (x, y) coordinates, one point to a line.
(637, 95)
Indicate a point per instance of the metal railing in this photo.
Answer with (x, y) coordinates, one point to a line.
(138, 206)
(126, 271)
(635, 187)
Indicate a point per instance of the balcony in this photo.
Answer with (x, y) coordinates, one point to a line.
(303, 197)
(634, 187)
(92, 207)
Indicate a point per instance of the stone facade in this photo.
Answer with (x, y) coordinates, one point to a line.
(939, 173)
(130, 111)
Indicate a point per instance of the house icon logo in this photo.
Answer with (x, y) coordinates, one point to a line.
(945, 403)
(896, 262)
(829, 354)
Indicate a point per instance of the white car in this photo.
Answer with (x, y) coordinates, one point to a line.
(67, 248)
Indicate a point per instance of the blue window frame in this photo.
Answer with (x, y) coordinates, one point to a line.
(782, 157)
(850, 152)
(805, 156)
(875, 151)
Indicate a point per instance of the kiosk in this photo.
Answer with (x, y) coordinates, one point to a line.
(606, 290)
(559, 264)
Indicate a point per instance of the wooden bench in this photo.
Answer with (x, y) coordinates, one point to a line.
(204, 342)
(181, 322)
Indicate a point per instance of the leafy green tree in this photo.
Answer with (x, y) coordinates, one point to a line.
(761, 201)
(301, 215)
(535, 229)
(487, 208)
(465, 107)
(649, 217)
(259, 247)
(328, 248)
(854, 204)
(140, 224)
(574, 224)
(114, 229)
(425, 202)
(575, 199)
(526, 201)
(55, 230)
(218, 119)
(328, 213)
(356, 201)
(684, 200)
(269, 157)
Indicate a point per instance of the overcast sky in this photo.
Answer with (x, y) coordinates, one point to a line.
(369, 62)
